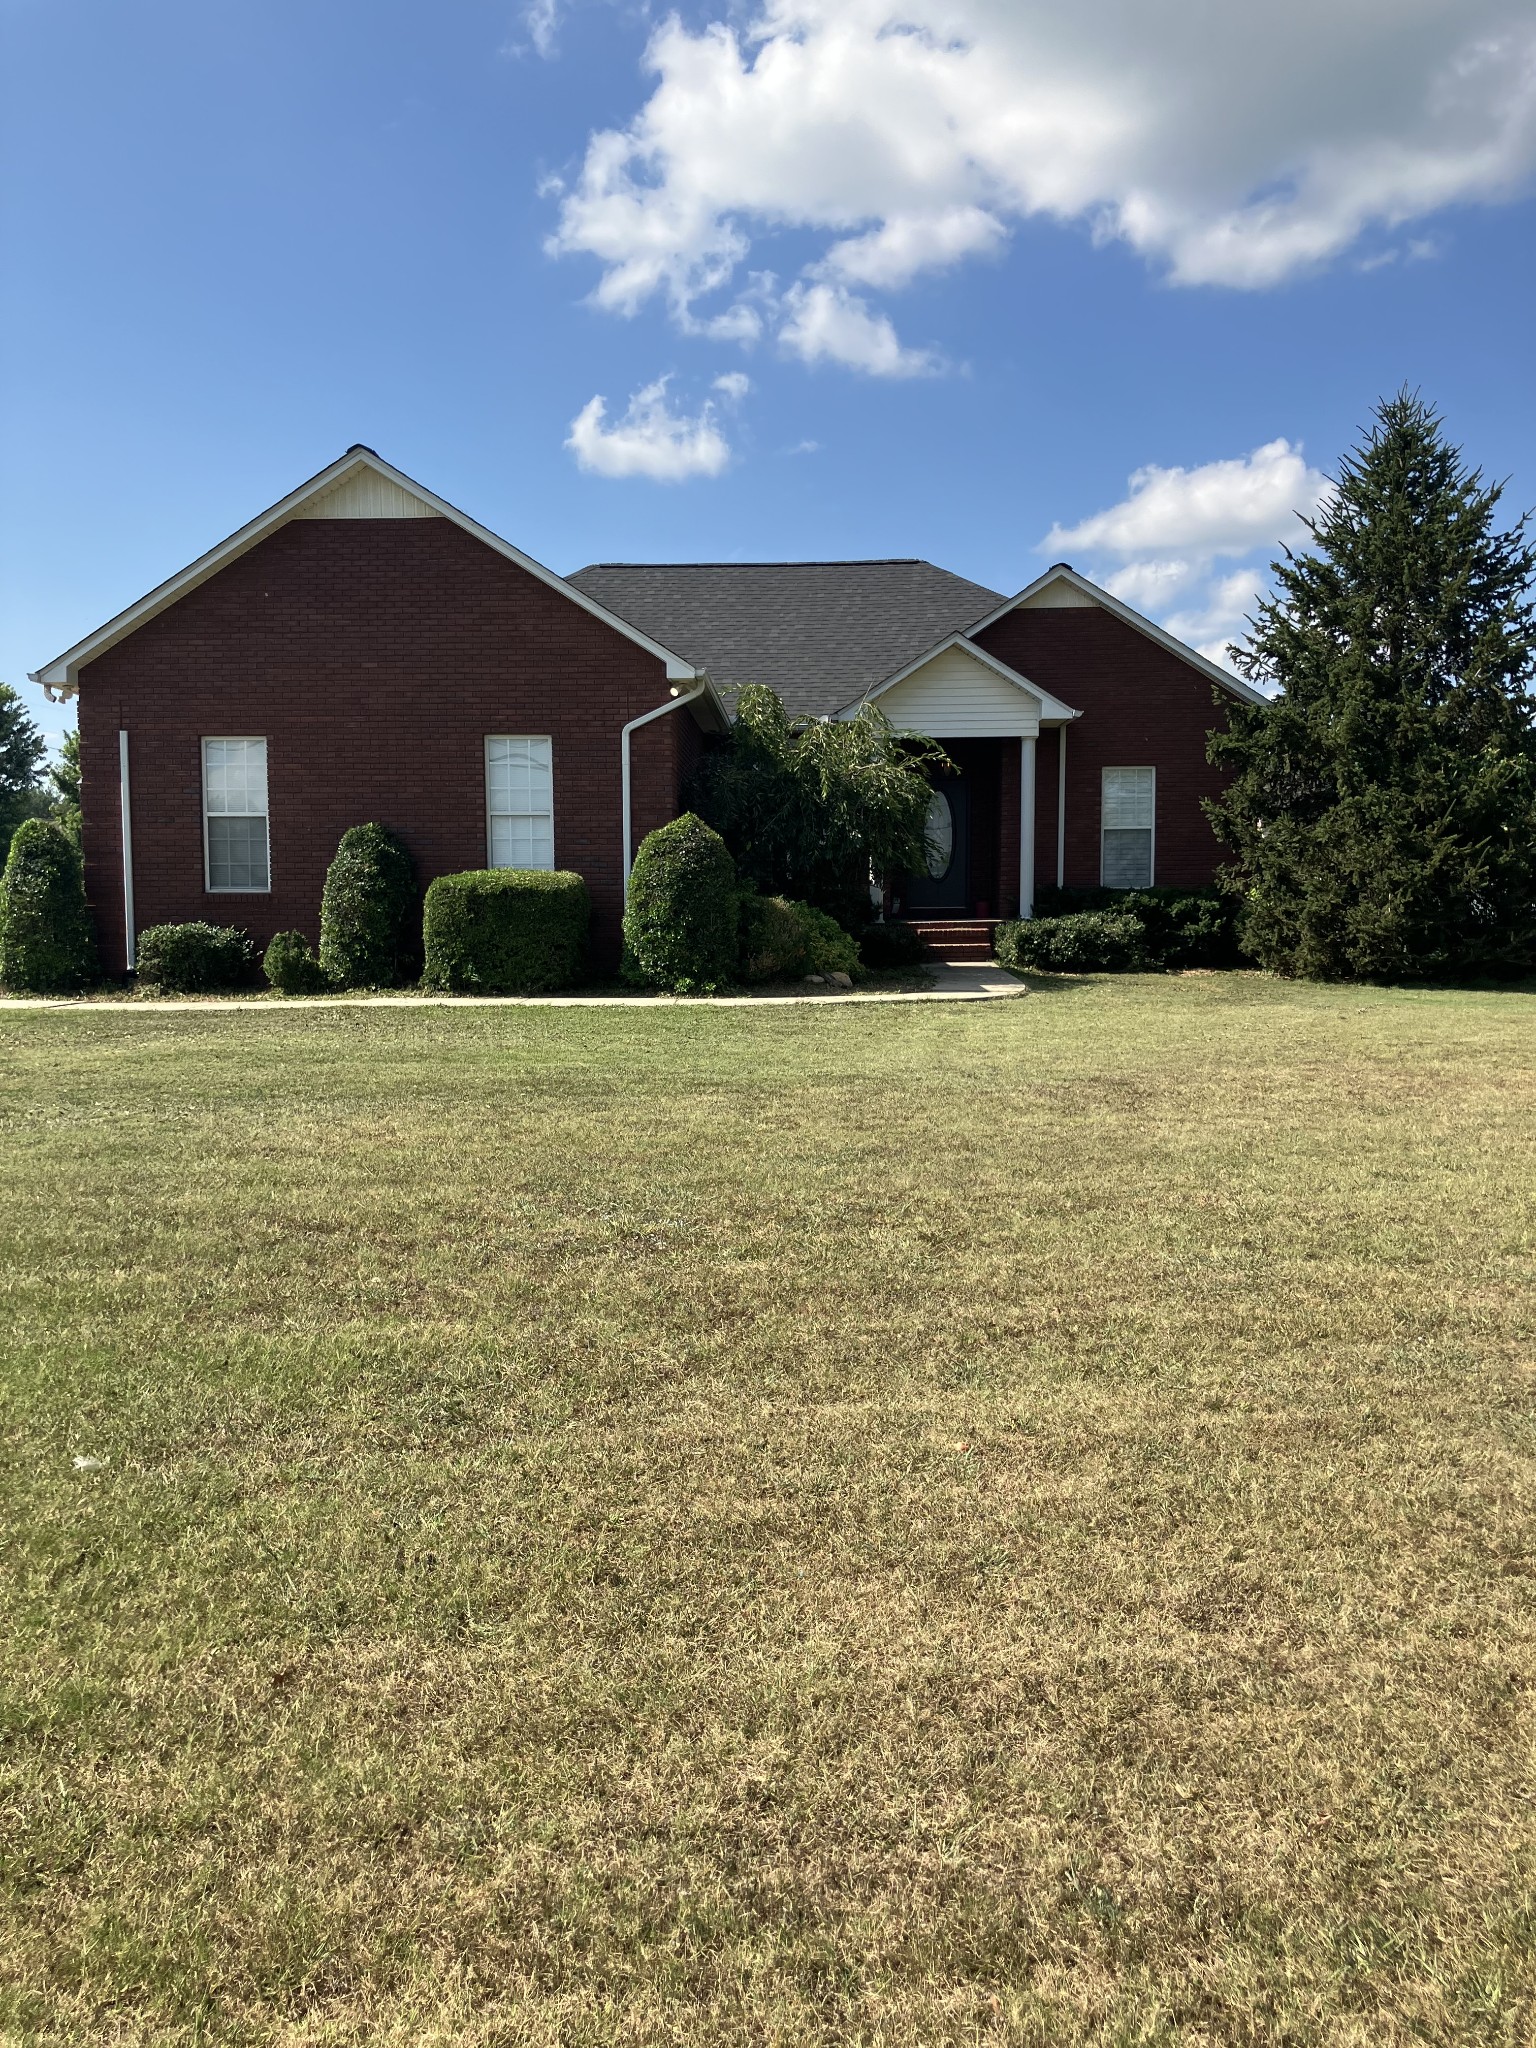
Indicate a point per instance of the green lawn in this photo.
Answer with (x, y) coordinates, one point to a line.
(1008, 1523)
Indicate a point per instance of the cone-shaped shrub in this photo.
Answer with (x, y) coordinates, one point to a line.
(47, 946)
(370, 929)
(680, 928)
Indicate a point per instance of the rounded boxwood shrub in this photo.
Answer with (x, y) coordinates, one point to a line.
(368, 912)
(892, 943)
(505, 931)
(47, 946)
(292, 966)
(193, 959)
(1091, 942)
(680, 927)
(781, 940)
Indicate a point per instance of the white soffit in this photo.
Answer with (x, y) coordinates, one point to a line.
(365, 494)
(375, 481)
(1062, 588)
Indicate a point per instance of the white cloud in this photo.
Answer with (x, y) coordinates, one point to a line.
(733, 386)
(896, 252)
(1221, 508)
(1167, 546)
(541, 19)
(1230, 145)
(650, 440)
(824, 323)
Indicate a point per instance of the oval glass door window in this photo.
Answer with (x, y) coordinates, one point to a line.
(941, 836)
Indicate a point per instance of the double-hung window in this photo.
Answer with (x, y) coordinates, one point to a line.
(1129, 825)
(235, 815)
(519, 803)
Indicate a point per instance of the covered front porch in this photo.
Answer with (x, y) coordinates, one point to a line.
(997, 820)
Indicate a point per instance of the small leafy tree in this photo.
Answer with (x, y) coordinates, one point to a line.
(47, 945)
(809, 807)
(22, 753)
(681, 919)
(370, 929)
(1383, 807)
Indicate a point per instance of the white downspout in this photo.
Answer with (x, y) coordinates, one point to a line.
(1061, 807)
(130, 937)
(645, 718)
(1027, 828)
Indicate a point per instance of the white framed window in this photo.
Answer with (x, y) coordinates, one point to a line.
(1128, 838)
(519, 802)
(235, 845)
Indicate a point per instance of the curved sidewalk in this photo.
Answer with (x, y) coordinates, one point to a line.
(954, 982)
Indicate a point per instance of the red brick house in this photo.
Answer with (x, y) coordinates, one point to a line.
(364, 650)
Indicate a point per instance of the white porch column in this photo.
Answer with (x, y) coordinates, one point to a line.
(1061, 807)
(1027, 828)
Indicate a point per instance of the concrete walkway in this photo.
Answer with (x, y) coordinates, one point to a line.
(954, 982)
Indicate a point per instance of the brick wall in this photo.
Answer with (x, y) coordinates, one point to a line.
(374, 655)
(1142, 707)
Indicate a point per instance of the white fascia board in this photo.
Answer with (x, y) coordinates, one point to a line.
(711, 702)
(1063, 572)
(60, 677)
(1052, 710)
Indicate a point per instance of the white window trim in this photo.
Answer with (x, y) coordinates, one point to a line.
(1119, 768)
(543, 739)
(220, 739)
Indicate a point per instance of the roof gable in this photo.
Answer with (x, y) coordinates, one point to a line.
(958, 691)
(359, 485)
(1062, 588)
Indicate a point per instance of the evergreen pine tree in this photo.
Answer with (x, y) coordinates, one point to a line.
(22, 753)
(63, 785)
(1383, 806)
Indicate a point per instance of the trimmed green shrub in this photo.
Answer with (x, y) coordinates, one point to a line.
(680, 927)
(47, 945)
(193, 959)
(1181, 927)
(369, 912)
(783, 941)
(505, 931)
(292, 966)
(828, 948)
(892, 943)
(1092, 942)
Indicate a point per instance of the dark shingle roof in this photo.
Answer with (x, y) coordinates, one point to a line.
(820, 633)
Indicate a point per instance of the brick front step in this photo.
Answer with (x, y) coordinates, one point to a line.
(957, 938)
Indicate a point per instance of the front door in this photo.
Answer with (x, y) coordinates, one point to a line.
(947, 883)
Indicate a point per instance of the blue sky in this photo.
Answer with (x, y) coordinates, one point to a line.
(848, 279)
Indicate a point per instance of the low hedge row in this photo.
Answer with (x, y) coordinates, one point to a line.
(1112, 931)
(194, 959)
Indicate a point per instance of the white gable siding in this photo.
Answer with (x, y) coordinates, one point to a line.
(957, 697)
(1060, 596)
(366, 495)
